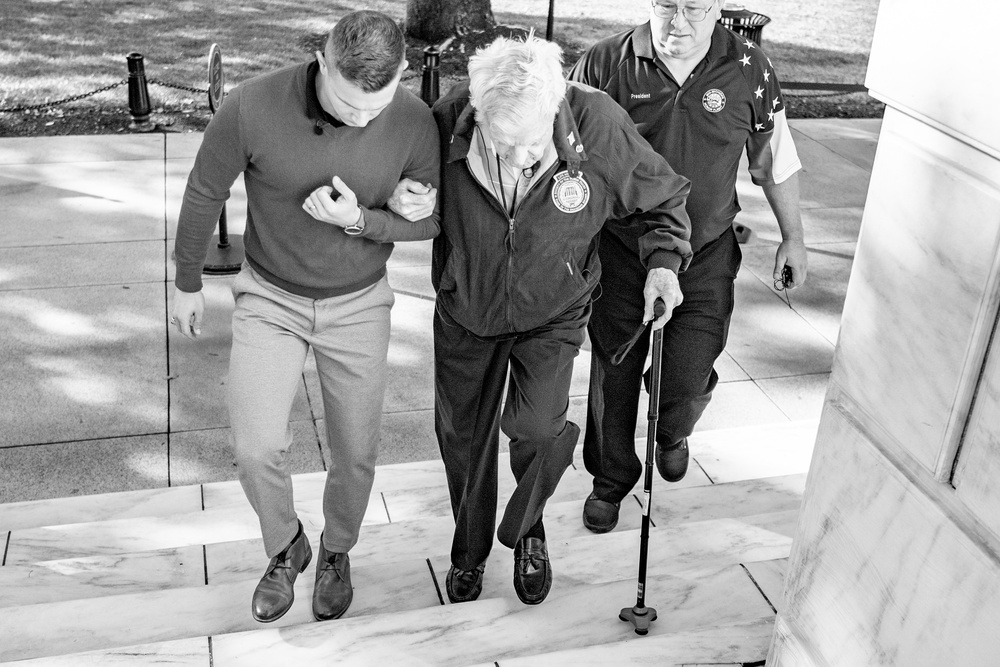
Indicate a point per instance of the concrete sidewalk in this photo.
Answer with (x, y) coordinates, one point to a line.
(100, 394)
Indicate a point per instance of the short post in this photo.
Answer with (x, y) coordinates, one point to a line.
(138, 92)
(430, 86)
(548, 24)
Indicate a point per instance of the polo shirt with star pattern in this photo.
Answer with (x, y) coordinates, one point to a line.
(730, 102)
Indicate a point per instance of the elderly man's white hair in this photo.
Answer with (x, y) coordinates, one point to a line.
(516, 84)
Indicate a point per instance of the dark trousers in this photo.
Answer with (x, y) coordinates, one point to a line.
(693, 339)
(469, 376)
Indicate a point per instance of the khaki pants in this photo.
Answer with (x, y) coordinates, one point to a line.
(272, 331)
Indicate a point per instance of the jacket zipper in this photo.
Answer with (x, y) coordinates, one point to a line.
(510, 271)
(510, 253)
(508, 241)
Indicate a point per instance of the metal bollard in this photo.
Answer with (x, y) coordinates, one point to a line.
(138, 92)
(430, 86)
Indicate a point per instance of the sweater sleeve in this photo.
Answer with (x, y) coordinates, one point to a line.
(652, 195)
(220, 160)
(424, 166)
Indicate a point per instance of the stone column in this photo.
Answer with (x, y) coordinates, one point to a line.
(895, 558)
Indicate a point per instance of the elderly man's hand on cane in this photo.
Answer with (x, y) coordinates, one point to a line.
(663, 284)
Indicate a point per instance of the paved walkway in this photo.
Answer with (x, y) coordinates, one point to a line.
(100, 395)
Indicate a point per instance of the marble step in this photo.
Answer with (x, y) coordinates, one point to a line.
(493, 630)
(724, 645)
(727, 454)
(221, 604)
(692, 612)
(180, 499)
(128, 558)
(229, 518)
(688, 550)
(192, 652)
(750, 538)
(195, 551)
(26, 631)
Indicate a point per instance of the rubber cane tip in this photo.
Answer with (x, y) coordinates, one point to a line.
(639, 618)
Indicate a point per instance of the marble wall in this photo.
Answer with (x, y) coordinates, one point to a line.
(896, 555)
(922, 296)
(911, 588)
(937, 61)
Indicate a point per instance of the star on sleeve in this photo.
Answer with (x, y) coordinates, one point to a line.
(770, 115)
(775, 101)
(759, 93)
(759, 126)
(767, 75)
(748, 44)
(745, 59)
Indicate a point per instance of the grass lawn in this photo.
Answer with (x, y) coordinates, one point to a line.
(52, 49)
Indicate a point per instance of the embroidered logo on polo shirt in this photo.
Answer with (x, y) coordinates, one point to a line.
(640, 96)
(570, 193)
(714, 100)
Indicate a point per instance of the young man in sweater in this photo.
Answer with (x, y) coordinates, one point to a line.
(321, 146)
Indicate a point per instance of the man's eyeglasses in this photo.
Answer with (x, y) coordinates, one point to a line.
(692, 14)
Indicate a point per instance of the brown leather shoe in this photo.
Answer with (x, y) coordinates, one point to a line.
(276, 591)
(464, 585)
(333, 592)
(532, 573)
(672, 461)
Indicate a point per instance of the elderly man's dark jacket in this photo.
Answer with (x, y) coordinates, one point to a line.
(497, 274)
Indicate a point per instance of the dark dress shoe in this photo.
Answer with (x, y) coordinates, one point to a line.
(464, 585)
(532, 573)
(276, 591)
(333, 593)
(672, 461)
(600, 516)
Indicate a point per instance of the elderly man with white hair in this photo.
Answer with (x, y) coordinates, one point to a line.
(532, 170)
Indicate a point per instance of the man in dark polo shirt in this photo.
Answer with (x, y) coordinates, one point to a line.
(700, 95)
(321, 146)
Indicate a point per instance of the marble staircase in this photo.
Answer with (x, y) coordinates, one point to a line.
(165, 575)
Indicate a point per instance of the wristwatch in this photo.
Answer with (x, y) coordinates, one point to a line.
(357, 227)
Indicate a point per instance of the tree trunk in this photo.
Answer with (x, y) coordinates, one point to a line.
(436, 20)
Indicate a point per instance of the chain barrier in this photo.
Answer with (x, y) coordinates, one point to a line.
(167, 84)
(45, 105)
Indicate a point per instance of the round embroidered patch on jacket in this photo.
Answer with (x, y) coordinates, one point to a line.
(570, 193)
(714, 100)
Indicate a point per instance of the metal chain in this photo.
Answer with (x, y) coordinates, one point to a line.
(74, 98)
(32, 107)
(178, 86)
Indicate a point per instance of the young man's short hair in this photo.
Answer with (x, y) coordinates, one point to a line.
(367, 48)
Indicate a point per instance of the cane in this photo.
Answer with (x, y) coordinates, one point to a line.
(640, 615)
